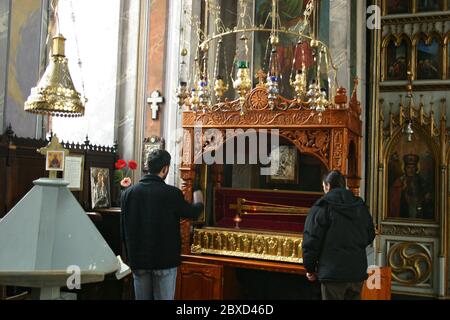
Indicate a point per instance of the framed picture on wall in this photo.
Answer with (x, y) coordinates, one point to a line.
(73, 172)
(151, 144)
(284, 166)
(397, 60)
(100, 188)
(447, 46)
(411, 181)
(429, 5)
(397, 6)
(429, 60)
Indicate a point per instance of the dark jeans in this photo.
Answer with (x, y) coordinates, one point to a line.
(155, 284)
(341, 290)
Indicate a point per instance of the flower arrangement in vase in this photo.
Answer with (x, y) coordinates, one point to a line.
(122, 175)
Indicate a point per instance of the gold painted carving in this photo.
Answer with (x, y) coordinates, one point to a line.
(409, 231)
(311, 141)
(245, 244)
(410, 262)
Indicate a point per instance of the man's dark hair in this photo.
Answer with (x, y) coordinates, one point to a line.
(335, 179)
(157, 160)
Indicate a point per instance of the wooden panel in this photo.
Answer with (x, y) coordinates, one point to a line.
(384, 293)
(247, 264)
(24, 166)
(199, 281)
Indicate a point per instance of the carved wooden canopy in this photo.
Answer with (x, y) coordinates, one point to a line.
(334, 136)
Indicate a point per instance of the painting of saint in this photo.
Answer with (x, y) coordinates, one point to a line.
(429, 60)
(429, 5)
(411, 180)
(397, 61)
(397, 6)
(55, 161)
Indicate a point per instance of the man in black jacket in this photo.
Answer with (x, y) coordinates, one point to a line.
(337, 231)
(150, 221)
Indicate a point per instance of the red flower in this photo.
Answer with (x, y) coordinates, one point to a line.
(132, 165)
(120, 164)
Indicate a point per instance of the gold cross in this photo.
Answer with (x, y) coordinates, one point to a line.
(54, 145)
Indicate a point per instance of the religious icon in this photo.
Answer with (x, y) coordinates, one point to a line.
(100, 188)
(150, 144)
(284, 165)
(429, 5)
(411, 180)
(397, 6)
(397, 61)
(429, 64)
(55, 161)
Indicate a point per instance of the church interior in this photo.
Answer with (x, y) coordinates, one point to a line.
(231, 89)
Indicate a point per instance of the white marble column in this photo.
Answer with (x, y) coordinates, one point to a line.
(4, 36)
(340, 38)
(172, 119)
(361, 71)
(180, 35)
(128, 81)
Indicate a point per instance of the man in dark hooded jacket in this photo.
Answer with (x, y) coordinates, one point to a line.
(337, 231)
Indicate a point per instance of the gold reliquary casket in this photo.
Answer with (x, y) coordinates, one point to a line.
(257, 209)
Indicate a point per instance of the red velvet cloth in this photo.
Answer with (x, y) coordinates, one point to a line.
(224, 215)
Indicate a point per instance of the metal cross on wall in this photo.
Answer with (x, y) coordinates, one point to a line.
(155, 99)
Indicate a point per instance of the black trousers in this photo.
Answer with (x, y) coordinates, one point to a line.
(341, 290)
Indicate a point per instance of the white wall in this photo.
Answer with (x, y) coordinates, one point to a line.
(96, 28)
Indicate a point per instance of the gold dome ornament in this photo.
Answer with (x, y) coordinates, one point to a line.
(55, 93)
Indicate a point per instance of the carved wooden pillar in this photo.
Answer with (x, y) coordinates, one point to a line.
(187, 175)
(187, 172)
(354, 164)
(337, 161)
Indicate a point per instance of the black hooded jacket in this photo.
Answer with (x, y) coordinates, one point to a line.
(150, 223)
(337, 231)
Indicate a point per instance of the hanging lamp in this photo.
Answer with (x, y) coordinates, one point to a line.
(55, 93)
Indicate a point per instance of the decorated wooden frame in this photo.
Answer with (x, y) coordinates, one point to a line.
(340, 126)
(334, 136)
(427, 135)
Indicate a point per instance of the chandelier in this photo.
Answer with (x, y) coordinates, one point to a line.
(311, 85)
